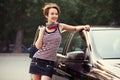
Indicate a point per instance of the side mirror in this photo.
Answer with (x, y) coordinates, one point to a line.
(75, 55)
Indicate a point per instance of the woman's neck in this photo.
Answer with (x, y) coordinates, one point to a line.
(49, 22)
(53, 25)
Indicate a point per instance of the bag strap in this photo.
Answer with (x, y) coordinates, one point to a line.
(36, 34)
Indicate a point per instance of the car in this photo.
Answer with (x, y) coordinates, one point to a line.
(93, 55)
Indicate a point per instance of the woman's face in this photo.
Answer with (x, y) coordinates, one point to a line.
(52, 15)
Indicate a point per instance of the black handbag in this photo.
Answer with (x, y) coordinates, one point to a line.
(32, 50)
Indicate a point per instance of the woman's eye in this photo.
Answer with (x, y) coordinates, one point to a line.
(52, 13)
(56, 14)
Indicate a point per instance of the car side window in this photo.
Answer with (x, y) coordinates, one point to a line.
(77, 43)
(65, 36)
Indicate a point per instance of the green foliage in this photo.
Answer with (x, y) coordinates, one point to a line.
(27, 15)
(98, 12)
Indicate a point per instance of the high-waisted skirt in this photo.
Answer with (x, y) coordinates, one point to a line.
(41, 67)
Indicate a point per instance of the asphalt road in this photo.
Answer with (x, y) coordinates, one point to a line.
(16, 67)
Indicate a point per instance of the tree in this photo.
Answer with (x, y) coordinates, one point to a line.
(116, 12)
(20, 18)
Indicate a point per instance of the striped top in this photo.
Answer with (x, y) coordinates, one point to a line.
(51, 43)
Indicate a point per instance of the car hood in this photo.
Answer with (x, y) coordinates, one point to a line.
(112, 65)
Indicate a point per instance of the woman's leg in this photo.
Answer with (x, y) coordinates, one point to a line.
(43, 77)
(36, 77)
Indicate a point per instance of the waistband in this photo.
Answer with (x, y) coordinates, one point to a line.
(47, 62)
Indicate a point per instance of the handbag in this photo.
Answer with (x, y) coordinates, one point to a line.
(32, 50)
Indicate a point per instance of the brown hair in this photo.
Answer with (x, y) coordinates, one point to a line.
(48, 6)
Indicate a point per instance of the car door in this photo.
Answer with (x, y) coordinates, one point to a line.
(71, 57)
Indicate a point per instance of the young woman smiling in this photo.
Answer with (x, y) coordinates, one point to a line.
(48, 42)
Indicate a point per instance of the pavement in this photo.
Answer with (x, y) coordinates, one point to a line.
(16, 67)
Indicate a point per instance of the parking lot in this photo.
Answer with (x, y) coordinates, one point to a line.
(14, 66)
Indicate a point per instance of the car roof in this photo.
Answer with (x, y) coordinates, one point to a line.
(104, 28)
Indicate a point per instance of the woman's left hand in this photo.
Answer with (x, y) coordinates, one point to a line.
(86, 27)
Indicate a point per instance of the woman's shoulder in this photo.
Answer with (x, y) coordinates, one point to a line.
(62, 24)
(61, 27)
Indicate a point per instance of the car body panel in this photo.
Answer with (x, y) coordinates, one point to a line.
(110, 65)
(90, 63)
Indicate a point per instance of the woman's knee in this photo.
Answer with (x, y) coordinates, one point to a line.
(45, 77)
(36, 77)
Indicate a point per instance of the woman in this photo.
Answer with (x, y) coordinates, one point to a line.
(48, 42)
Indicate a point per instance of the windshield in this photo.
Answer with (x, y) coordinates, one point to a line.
(107, 43)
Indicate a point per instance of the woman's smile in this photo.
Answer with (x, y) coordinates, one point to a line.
(54, 18)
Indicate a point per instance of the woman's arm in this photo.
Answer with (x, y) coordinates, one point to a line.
(39, 41)
(73, 28)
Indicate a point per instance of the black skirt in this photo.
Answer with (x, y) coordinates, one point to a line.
(41, 67)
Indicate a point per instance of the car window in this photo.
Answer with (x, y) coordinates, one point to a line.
(65, 36)
(76, 44)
